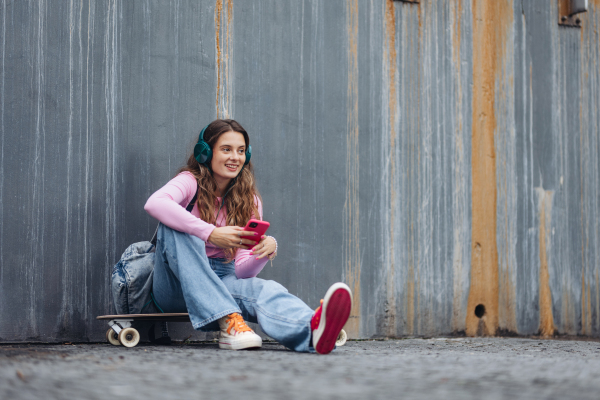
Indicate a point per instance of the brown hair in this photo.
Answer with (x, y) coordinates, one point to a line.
(240, 200)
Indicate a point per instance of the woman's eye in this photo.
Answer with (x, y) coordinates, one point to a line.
(225, 150)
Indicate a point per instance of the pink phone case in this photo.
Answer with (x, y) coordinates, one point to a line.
(257, 226)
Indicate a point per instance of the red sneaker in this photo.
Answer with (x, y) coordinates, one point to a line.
(330, 317)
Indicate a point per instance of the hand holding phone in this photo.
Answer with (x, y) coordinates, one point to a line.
(260, 227)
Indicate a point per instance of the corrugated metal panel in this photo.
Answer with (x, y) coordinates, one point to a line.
(435, 155)
(426, 168)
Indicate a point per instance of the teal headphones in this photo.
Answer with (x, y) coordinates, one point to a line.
(203, 152)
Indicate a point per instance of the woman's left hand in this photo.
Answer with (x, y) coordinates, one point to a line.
(266, 247)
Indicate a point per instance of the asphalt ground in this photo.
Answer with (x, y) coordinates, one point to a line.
(449, 368)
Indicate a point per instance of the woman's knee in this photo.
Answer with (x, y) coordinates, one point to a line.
(275, 286)
(169, 237)
(253, 288)
(270, 290)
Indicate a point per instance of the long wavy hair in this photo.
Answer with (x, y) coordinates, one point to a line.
(240, 200)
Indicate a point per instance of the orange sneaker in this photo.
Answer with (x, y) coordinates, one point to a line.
(330, 317)
(236, 335)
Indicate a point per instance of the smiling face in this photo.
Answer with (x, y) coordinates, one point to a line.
(229, 155)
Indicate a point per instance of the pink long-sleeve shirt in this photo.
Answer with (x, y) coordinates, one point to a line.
(168, 205)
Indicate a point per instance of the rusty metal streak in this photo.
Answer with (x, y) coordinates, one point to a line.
(351, 226)
(491, 21)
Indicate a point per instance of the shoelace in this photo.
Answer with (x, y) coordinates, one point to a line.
(317, 314)
(236, 321)
(317, 309)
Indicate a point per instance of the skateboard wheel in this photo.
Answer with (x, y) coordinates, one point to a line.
(129, 337)
(112, 337)
(341, 339)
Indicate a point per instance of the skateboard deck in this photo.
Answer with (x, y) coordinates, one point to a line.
(171, 317)
(122, 333)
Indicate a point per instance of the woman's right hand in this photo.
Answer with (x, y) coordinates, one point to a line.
(227, 237)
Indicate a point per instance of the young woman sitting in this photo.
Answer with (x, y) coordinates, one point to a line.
(206, 264)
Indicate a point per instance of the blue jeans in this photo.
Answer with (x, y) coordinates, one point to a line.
(186, 280)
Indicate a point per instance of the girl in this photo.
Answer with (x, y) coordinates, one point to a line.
(205, 263)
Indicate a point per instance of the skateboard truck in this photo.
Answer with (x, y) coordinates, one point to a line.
(119, 324)
(121, 332)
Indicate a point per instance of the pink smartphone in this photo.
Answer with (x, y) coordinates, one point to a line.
(257, 226)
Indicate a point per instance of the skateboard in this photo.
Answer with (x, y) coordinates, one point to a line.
(122, 333)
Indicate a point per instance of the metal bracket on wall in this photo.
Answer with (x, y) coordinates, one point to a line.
(568, 10)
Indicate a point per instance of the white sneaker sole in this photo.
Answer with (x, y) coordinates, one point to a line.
(241, 343)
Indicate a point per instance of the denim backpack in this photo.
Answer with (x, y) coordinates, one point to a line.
(131, 280)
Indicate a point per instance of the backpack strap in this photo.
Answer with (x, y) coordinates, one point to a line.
(189, 208)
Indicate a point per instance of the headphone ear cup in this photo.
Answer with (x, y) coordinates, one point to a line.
(248, 155)
(202, 153)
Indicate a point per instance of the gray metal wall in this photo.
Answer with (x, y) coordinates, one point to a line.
(435, 156)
